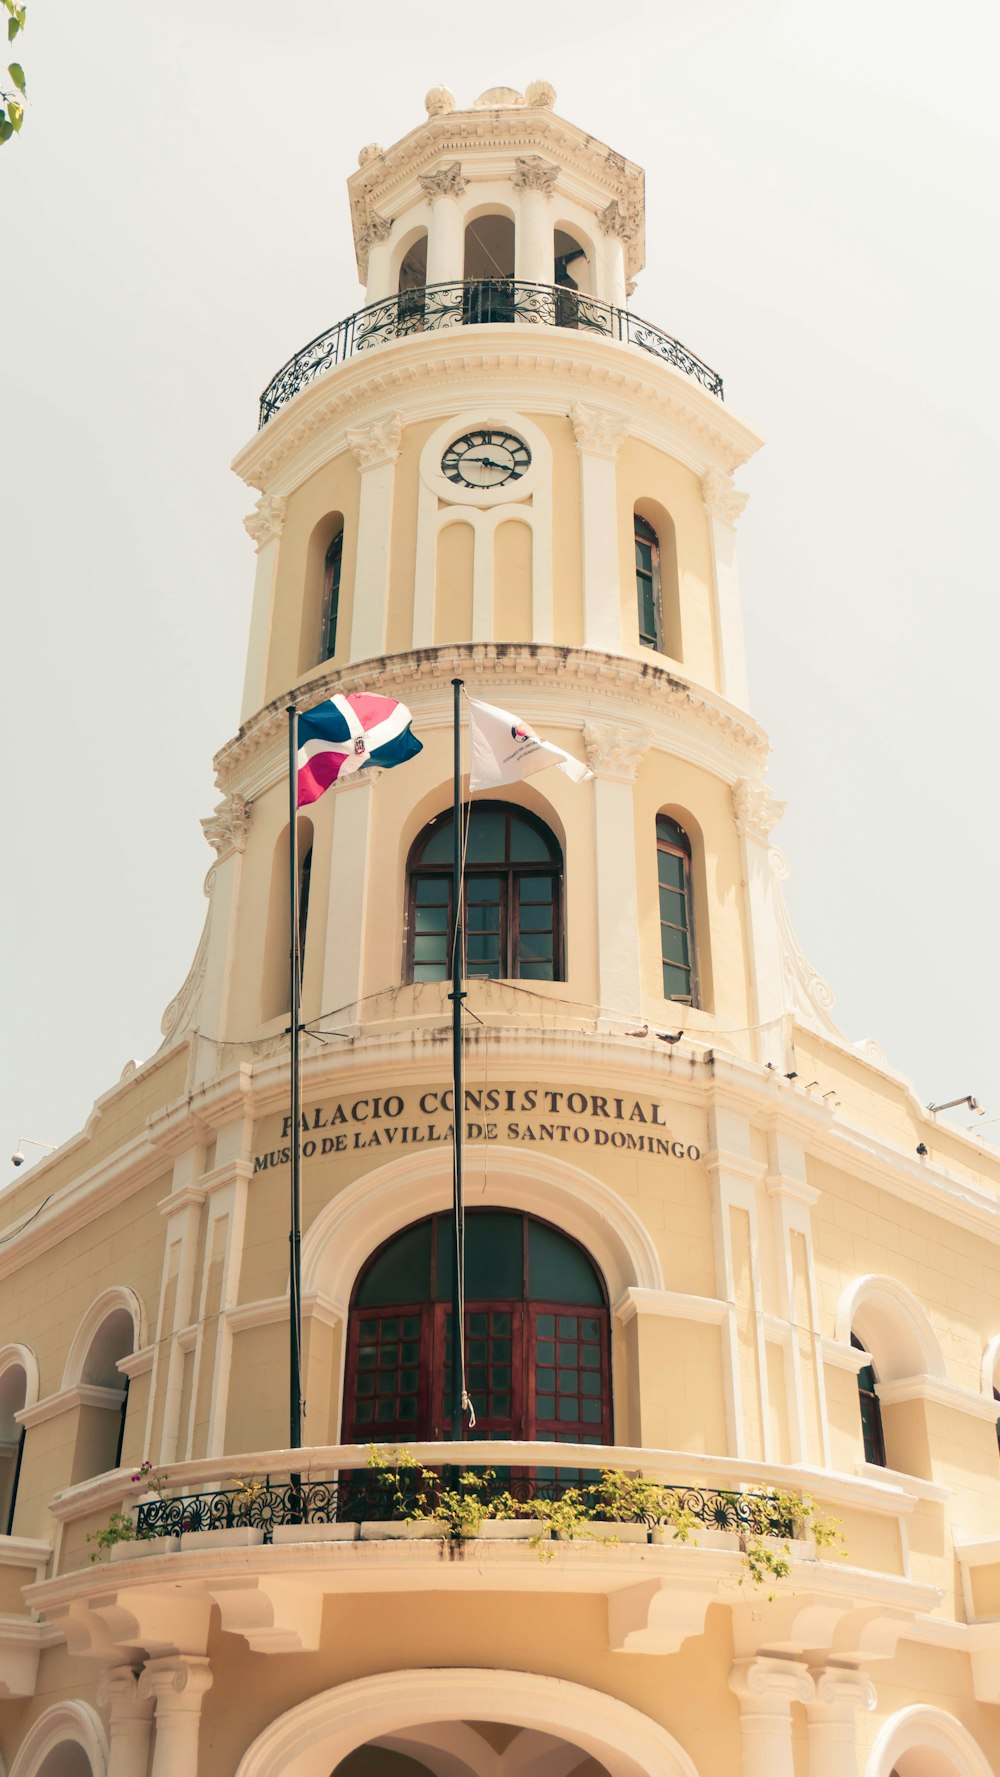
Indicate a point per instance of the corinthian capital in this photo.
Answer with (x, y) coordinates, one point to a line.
(614, 221)
(721, 498)
(267, 519)
(446, 182)
(377, 442)
(597, 430)
(376, 230)
(613, 751)
(756, 807)
(226, 829)
(532, 173)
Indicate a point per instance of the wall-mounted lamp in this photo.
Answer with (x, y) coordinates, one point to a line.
(950, 1104)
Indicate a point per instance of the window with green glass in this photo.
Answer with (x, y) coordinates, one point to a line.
(870, 1406)
(647, 584)
(511, 902)
(331, 593)
(537, 1334)
(677, 952)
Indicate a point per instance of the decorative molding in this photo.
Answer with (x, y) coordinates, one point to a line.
(439, 101)
(541, 93)
(532, 173)
(81, 1394)
(445, 182)
(137, 1362)
(597, 430)
(670, 1305)
(771, 1681)
(809, 997)
(756, 808)
(378, 442)
(226, 829)
(267, 520)
(118, 1686)
(938, 1394)
(842, 1688)
(179, 1014)
(24, 1551)
(613, 220)
(722, 500)
(917, 1485)
(615, 751)
(838, 1356)
(180, 1681)
(376, 230)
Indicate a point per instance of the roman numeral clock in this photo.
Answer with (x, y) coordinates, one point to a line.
(486, 458)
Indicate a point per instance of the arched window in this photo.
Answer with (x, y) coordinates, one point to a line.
(537, 1333)
(489, 270)
(647, 584)
(331, 592)
(13, 1397)
(677, 953)
(512, 911)
(871, 1411)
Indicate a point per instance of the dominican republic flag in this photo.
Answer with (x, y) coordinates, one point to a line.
(345, 733)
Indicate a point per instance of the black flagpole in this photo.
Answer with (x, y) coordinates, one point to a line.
(295, 984)
(457, 996)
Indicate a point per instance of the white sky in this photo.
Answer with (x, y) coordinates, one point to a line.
(822, 227)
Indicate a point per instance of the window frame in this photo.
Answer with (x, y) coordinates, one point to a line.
(512, 874)
(333, 574)
(652, 542)
(870, 1411)
(683, 852)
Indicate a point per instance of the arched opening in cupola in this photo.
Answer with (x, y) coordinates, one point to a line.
(573, 276)
(412, 284)
(489, 269)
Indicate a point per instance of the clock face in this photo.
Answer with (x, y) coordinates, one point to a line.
(486, 459)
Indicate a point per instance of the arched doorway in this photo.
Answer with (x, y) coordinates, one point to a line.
(470, 1749)
(537, 1331)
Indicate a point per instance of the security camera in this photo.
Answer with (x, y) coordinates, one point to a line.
(17, 1158)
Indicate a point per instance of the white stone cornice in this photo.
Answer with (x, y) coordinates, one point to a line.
(188, 1197)
(25, 1551)
(756, 808)
(445, 182)
(82, 1394)
(226, 829)
(939, 1394)
(378, 442)
(722, 499)
(615, 751)
(532, 173)
(670, 1305)
(838, 1356)
(267, 520)
(137, 1363)
(598, 432)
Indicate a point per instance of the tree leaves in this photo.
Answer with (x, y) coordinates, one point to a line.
(16, 73)
(12, 118)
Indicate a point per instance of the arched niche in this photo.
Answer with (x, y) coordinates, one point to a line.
(112, 1328)
(891, 1324)
(312, 1739)
(925, 1742)
(67, 1741)
(671, 631)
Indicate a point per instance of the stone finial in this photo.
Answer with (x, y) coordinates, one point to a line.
(722, 499)
(597, 430)
(498, 98)
(614, 751)
(378, 442)
(541, 93)
(267, 520)
(613, 221)
(532, 173)
(446, 182)
(757, 808)
(376, 230)
(439, 102)
(370, 151)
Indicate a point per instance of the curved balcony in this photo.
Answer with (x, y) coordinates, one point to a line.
(432, 308)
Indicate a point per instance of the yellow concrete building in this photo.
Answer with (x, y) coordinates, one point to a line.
(710, 1242)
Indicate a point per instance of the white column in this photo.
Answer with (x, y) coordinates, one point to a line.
(446, 230)
(534, 241)
(598, 436)
(757, 811)
(376, 448)
(346, 920)
(724, 503)
(264, 525)
(374, 240)
(614, 754)
(178, 1684)
(131, 1722)
(767, 1688)
(840, 1692)
(617, 229)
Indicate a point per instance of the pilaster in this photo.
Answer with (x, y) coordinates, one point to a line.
(346, 920)
(734, 1175)
(723, 504)
(182, 1210)
(766, 1689)
(264, 525)
(614, 755)
(757, 811)
(598, 437)
(376, 449)
(791, 1197)
(131, 1721)
(840, 1691)
(178, 1685)
(226, 830)
(225, 1189)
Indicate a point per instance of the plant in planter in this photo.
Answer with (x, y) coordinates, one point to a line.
(155, 1479)
(631, 1499)
(776, 1518)
(120, 1528)
(249, 1491)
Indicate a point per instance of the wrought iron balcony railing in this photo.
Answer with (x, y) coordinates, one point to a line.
(434, 307)
(362, 1496)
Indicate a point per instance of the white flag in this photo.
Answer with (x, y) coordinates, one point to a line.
(504, 750)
